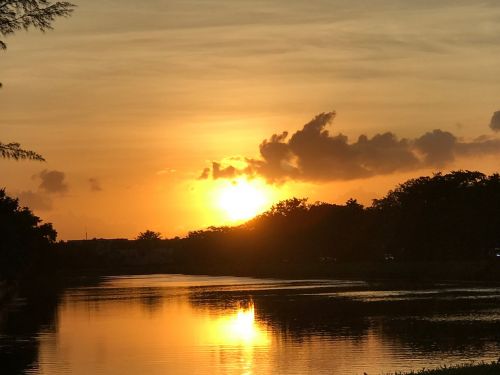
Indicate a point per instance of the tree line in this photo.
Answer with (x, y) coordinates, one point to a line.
(438, 218)
(444, 217)
(25, 242)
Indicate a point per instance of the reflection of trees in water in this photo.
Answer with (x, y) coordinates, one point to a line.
(292, 315)
(405, 321)
(151, 299)
(427, 336)
(301, 316)
(18, 330)
(447, 323)
(37, 311)
(34, 311)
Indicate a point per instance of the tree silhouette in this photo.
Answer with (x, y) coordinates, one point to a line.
(149, 235)
(14, 151)
(23, 14)
(444, 217)
(439, 226)
(24, 240)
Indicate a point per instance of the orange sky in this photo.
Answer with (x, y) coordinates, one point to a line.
(132, 100)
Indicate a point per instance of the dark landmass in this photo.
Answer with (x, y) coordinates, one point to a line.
(473, 369)
(443, 227)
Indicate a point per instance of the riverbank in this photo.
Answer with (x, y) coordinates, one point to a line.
(452, 271)
(472, 369)
(7, 290)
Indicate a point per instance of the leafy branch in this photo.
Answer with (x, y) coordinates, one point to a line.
(14, 151)
(22, 14)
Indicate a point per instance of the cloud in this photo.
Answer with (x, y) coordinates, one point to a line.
(52, 182)
(313, 154)
(220, 172)
(205, 174)
(495, 121)
(35, 200)
(95, 185)
(437, 147)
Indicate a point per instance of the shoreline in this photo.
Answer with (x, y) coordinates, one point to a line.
(396, 272)
(481, 368)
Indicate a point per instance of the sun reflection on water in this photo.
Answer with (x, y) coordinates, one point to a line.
(239, 327)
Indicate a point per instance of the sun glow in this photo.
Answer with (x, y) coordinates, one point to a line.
(237, 328)
(242, 325)
(242, 199)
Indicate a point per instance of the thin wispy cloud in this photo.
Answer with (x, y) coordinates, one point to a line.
(35, 200)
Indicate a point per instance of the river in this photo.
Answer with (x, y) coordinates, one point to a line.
(181, 324)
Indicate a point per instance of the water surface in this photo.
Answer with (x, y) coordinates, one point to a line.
(178, 324)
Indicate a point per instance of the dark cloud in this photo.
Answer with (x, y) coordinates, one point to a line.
(204, 174)
(313, 154)
(220, 172)
(437, 147)
(95, 185)
(52, 182)
(35, 200)
(495, 121)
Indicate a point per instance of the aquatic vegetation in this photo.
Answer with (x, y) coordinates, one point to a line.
(468, 369)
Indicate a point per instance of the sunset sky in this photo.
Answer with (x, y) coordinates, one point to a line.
(131, 102)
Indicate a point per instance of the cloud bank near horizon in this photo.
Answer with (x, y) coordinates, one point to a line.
(52, 184)
(312, 154)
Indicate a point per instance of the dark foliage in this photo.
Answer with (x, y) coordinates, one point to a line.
(446, 217)
(24, 240)
(23, 14)
(443, 217)
(472, 369)
(439, 227)
(14, 151)
(149, 235)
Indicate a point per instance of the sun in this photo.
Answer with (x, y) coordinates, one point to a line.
(242, 199)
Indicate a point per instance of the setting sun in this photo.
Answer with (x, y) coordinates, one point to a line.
(242, 199)
(211, 187)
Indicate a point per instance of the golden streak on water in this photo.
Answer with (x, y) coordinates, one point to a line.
(237, 328)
